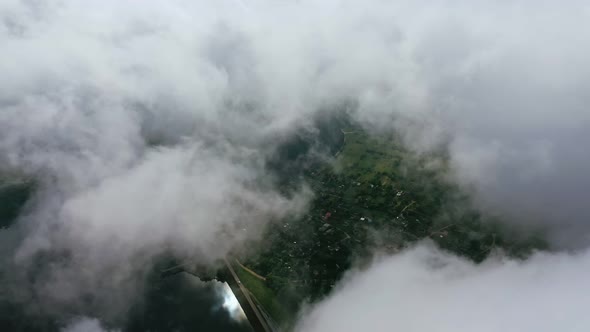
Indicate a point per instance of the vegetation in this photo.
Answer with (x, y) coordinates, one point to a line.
(265, 296)
(374, 196)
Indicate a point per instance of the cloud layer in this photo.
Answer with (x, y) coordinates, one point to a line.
(147, 126)
(424, 289)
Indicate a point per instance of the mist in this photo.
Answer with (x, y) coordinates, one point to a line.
(146, 128)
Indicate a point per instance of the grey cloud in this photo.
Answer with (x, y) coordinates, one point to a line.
(86, 325)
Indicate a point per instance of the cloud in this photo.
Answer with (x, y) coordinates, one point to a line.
(193, 204)
(134, 155)
(501, 84)
(147, 127)
(85, 325)
(424, 289)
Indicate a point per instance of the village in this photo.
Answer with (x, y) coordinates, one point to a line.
(374, 197)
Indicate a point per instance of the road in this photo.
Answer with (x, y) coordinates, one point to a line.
(254, 315)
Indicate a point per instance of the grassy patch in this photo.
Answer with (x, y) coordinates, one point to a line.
(264, 295)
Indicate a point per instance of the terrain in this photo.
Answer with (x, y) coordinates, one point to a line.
(372, 197)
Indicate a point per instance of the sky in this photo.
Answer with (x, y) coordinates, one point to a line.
(147, 125)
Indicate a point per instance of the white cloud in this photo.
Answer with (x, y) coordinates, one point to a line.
(424, 289)
(88, 87)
